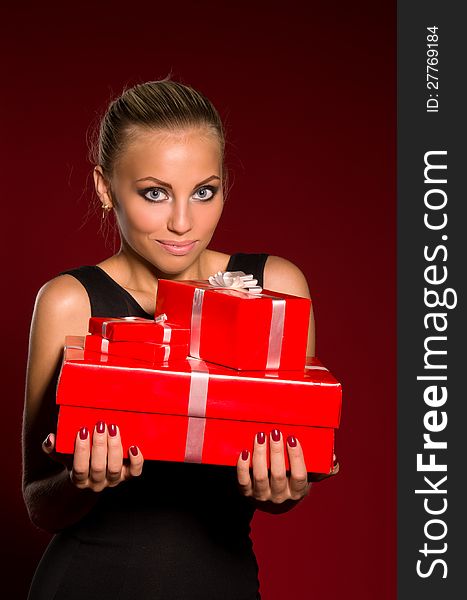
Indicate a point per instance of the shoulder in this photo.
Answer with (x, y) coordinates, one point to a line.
(62, 292)
(281, 275)
(63, 299)
(61, 309)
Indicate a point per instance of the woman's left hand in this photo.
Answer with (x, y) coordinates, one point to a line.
(278, 487)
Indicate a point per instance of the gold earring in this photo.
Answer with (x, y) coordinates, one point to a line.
(106, 208)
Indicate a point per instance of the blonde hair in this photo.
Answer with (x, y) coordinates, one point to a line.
(154, 105)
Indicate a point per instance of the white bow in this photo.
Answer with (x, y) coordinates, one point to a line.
(237, 280)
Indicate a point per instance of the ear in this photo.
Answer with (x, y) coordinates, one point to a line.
(102, 185)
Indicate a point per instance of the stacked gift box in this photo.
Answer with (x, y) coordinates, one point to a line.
(216, 366)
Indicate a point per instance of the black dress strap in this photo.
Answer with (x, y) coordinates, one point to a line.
(107, 298)
(248, 263)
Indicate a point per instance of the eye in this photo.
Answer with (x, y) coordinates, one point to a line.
(154, 194)
(205, 193)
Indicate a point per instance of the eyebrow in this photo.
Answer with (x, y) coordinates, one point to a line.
(160, 182)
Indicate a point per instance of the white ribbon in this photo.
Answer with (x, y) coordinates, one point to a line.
(167, 336)
(196, 411)
(276, 333)
(196, 311)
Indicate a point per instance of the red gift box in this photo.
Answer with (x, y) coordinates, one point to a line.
(214, 411)
(147, 351)
(238, 329)
(136, 329)
(188, 439)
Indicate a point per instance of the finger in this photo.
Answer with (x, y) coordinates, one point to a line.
(135, 468)
(335, 466)
(243, 473)
(298, 482)
(114, 455)
(80, 471)
(48, 444)
(279, 483)
(261, 487)
(98, 470)
(320, 476)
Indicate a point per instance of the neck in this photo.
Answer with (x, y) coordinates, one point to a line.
(136, 273)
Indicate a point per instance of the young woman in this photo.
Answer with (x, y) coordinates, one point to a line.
(167, 530)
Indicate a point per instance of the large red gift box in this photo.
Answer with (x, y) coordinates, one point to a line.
(147, 351)
(236, 328)
(197, 412)
(137, 329)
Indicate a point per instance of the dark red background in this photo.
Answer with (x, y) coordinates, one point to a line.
(308, 93)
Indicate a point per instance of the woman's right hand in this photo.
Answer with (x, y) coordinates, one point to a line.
(103, 465)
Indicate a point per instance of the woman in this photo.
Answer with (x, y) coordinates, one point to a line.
(169, 530)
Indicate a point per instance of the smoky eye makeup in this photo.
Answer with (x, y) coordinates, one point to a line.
(153, 194)
(206, 192)
(156, 194)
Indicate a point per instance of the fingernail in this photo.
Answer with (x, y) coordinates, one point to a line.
(245, 454)
(47, 442)
(260, 437)
(134, 450)
(276, 435)
(83, 433)
(292, 442)
(100, 427)
(112, 430)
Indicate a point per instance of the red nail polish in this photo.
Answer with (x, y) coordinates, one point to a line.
(83, 433)
(260, 437)
(245, 454)
(276, 435)
(134, 450)
(47, 442)
(100, 427)
(292, 442)
(112, 430)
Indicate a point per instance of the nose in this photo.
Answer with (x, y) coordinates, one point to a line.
(180, 218)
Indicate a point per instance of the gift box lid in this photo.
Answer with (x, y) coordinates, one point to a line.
(196, 388)
(134, 329)
(233, 300)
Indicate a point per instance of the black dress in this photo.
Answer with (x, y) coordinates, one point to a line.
(179, 531)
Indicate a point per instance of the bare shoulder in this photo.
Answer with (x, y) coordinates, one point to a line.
(282, 275)
(61, 308)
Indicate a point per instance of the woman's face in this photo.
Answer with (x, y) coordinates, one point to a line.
(167, 195)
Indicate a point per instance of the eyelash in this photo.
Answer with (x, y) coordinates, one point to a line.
(143, 193)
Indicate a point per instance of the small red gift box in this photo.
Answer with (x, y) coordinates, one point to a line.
(210, 413)
(238, 329)
(147, 351)
(136, 329)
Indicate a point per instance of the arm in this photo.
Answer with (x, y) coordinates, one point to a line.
(56, 494)
(52, 501)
